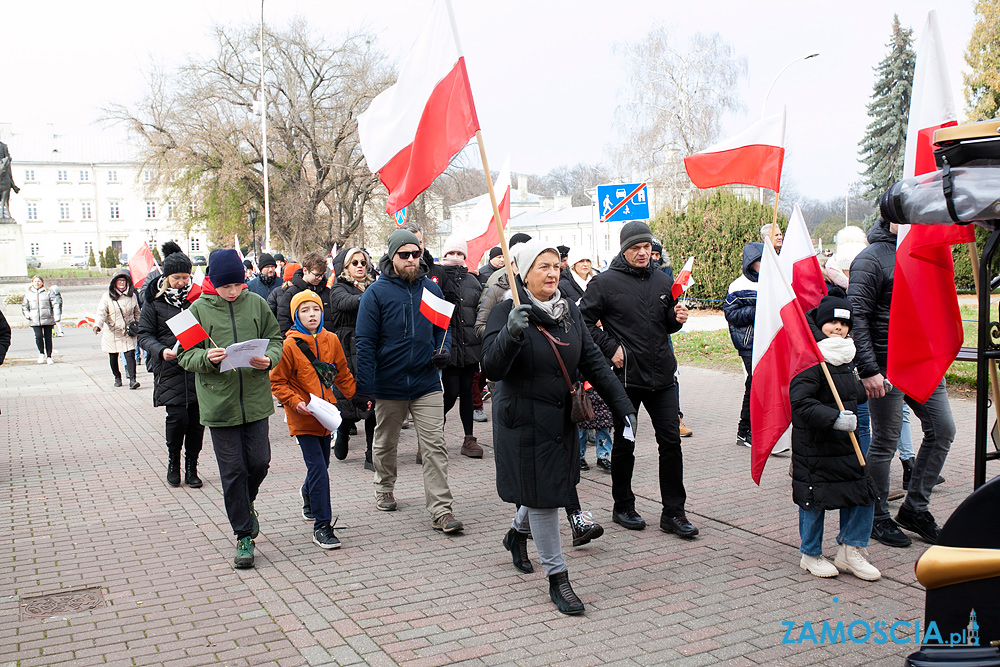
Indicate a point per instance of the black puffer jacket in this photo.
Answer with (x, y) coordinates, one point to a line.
(568, 287)
(636, 309)
(826, 474)
(534, 439)
(870, 293)
(345, 297)
(172, 385)
(284, 300)
(463, 290)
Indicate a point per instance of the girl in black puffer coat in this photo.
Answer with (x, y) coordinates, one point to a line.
(464, 290)
(826, 473)
(173, 386)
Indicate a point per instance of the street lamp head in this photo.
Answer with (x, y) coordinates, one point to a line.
(252, 216)
(811, 55)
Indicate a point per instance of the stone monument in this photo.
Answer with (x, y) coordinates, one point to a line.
(12, 258)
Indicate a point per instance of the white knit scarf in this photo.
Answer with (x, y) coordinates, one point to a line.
(836, 350)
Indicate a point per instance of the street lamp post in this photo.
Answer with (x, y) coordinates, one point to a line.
(252, 218)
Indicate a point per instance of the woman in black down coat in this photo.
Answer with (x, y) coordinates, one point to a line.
(534, 437)
(345, 297)
(173, 386)
(464, 290)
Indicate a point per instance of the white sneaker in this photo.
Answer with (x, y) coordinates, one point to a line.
(50, 361)
(41, 358)
(855, 560)
(818, 566)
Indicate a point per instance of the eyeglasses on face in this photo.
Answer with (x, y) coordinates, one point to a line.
(408, 254)
(358, 262)
(317, 275)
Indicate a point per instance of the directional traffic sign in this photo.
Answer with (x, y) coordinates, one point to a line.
(623, 201)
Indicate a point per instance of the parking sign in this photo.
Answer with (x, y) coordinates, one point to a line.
(612, 197)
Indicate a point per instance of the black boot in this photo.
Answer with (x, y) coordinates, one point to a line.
(340, 445)
(907, 471)
(562, 594)
(174, 468)
(517, 544)
(191, 472)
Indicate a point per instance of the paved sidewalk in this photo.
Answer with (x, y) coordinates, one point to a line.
(82, 481)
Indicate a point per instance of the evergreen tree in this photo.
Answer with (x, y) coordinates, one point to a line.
(982, 85)
(884, 145)
(91, 261)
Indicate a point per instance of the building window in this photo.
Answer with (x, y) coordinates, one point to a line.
(62, 176)
(64, 210)
(67, 248)
(150, 210)
(29, 174)
(36, 249)
(195, 245)
(85, 211)
(112, 176)
(84, 175)
(115, 215)
(32, 210)
(88, 247)
(171, 210)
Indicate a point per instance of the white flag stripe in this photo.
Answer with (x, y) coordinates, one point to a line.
(797, 244)
(773, 293)
(181, 322)
(768, 131)
(439, 305)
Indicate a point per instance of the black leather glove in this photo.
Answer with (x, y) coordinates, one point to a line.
(441, 359)
(632, 421)
(362, 402)
(517, 321)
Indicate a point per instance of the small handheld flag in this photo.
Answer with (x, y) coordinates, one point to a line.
(436, 309)
(684, 280)
(187, 329)
(140, 264)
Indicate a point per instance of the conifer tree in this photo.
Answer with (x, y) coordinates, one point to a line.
(982, 84)
(884, 145)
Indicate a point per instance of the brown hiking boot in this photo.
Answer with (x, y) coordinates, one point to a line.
(447, 523)
(471, 448)
(684, 430)
(385, 502)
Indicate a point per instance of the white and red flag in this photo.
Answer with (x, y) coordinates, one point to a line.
(799, 262)
(480, 232)
(753, 157)
(684, 280)
(410, 132)
(783, 347)
(197, 277)
(187, 329)
(140, 264)
(925, 325)
(436, 309)
(194, 292)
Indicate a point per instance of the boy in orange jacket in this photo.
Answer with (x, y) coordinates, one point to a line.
(312, 361)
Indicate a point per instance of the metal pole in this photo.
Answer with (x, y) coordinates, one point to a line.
(763, 108)
(263, 132)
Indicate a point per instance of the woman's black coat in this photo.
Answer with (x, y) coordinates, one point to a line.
(568, 286)
(172, 385)
(345, 298)
(535, 443)
(464, 290)
(826, 474)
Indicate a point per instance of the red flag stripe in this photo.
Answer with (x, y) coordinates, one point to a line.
(758, 165)
(437, 319)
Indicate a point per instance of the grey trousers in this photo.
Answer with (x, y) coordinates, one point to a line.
(543, 524)
(939, 432)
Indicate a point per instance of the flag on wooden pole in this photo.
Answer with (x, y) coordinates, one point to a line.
(480, 232)
(753, 157)
(140, 264)
(436, 309)
(186, 329)
(684, 280)
(799, 262)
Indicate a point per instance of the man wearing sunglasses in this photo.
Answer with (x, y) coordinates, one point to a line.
(399, 354)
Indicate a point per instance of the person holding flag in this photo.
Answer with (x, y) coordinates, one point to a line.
(168, 295)
(402, 343)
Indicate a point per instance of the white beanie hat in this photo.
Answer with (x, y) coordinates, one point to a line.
(525, 254)
(455, 243)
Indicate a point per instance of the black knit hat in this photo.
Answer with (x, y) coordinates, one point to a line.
(278, 257)
(496, 251)
(169, 248)
(176, 262)
(520, 237)
(225, 268)
(834, 308)
(657, 246)
(266, 260)
(635, 232)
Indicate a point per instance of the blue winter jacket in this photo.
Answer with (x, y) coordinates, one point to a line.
(395, 341)
(740, 306)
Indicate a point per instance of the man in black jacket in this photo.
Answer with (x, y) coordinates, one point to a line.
(633, 302)
(311, 276)
(870, 294)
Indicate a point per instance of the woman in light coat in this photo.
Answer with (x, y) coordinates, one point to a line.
(42, 310)
(117, 310)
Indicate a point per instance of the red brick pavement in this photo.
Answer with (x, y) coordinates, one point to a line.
(81, 478)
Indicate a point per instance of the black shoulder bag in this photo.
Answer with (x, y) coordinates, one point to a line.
(582, 407)
(326, 373)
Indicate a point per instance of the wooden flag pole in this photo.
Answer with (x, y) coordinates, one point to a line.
(496, 219)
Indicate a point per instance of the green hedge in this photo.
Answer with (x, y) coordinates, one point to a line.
(714, 228)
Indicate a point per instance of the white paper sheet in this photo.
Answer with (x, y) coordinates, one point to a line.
(326, 413)
(176, 347)
(238, 355)
(627, 432)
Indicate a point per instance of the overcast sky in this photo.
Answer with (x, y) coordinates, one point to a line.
(544, 75)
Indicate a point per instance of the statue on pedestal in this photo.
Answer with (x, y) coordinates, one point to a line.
(6, 183)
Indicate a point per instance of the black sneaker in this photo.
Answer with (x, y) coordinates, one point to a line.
(307, 512)
(679, 525)
(118, 382)
(629, 519)
(743, 439)
(324, 538)
(888, 533)
(921, 523)
(584, 465)
(604, 464)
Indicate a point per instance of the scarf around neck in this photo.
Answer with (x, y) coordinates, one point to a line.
(175, 296)
(556, 307)
(837, 351)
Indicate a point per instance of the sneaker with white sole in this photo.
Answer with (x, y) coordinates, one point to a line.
(50, 360)
(478, 416)
(41, 358)
(324, 538)
(855, 560)
(818, 566)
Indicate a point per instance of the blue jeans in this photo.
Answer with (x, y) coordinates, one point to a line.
(316, 454)
(602, 442)
(905, 446)
(864, 428)
(855, 528)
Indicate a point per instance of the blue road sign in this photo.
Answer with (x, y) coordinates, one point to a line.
(609, 196)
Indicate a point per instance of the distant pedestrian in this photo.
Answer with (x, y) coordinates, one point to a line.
(576, 276)
(42, 309)
(4, 337)
(494, 264)
(765, 233)
(740, 308)
(118, 316)
(267, 280)
(57, 295)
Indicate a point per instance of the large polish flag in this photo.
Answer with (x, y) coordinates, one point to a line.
(140, 265)
(798, 261)
(753, 157)
(925, 325)
(436, 309)
(783, 347)
(412, 129)
(480, 232)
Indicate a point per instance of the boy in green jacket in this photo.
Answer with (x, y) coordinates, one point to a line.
(235, 404)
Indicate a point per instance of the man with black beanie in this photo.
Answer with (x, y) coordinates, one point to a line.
(495, 264)
(634, 304)
(267, 280)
